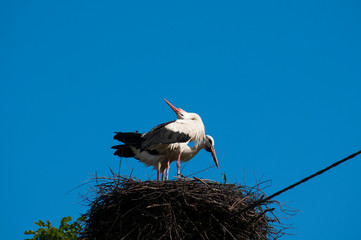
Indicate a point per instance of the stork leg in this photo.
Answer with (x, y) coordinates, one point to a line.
(163, 175)
(178, 163)
(158, 171)
(168, 163)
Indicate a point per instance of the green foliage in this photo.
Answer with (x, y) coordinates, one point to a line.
(224, 178)
(66, 231)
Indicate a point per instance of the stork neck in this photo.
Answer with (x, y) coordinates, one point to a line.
(189, 152)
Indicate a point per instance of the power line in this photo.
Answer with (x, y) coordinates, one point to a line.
(301, 181)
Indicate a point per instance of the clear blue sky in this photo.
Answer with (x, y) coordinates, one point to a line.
(277, 84)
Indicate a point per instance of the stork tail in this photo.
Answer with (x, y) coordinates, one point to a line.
(123, 151)
(131, 138)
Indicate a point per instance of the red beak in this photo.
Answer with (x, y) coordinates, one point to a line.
(176, 110)
(214, 156)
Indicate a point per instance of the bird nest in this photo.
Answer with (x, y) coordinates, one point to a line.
(125, 208)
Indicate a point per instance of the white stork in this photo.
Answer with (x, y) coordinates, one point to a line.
(170, 138)
(157, 158)
(189, 152)
(192, 125)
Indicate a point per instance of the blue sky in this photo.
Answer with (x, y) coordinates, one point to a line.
(277, 84)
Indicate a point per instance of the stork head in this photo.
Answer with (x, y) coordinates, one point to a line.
(181, 114)
(209, 147)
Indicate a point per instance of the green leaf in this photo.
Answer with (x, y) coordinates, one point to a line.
(224, 178)
(65, 220)
(29, 232)
(40, 223)
(81, 219)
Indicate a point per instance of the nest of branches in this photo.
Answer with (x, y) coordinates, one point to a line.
(125, 208)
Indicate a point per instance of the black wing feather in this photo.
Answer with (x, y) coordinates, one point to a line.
(161, 135)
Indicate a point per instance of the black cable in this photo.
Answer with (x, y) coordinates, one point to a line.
(301, 181)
